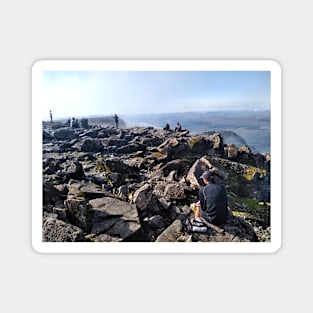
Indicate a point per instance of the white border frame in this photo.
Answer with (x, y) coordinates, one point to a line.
(156, 65)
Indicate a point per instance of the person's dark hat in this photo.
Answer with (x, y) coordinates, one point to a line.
(207, 174)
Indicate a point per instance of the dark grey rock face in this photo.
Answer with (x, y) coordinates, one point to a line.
(65, 133)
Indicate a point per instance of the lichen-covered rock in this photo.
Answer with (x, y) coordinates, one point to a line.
(171, 233)
(231, 152)
(174, 191)
(200, 144)
(56, 230)
(78, 212)
(142, 197)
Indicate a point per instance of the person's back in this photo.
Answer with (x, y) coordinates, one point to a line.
(216, 204)
(178, 127)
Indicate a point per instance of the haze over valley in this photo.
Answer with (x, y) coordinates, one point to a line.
(252, 126)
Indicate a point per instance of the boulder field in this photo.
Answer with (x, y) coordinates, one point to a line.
(136, 184)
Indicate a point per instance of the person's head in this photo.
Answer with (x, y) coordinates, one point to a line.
(207, 176)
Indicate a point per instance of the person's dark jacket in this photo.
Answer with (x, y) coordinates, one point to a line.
(213, 199)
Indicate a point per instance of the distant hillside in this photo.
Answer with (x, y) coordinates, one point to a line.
(252, 126)
(106, 121)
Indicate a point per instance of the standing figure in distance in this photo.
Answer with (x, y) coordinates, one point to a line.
(50, 116)
(115, 117)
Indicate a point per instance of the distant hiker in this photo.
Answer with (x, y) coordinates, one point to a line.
(178, 127)
(74, 122)
(69, 122)
(51, 116)
(115, 117)
(213, 203)
(167, 127)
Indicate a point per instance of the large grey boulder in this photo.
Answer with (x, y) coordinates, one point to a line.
(46, 136)
(77, 201)
(56, 230)
(64, 133)
(91, 145)
(115, 218)
(171, 233)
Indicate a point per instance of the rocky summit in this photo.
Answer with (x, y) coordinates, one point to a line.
(137, 184)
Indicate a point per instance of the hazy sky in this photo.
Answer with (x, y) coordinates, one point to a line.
(74, 93)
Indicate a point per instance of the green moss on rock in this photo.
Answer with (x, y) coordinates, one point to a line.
(192, 141)
(246, 207)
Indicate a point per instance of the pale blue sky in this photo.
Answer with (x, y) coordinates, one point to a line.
(79, 93)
